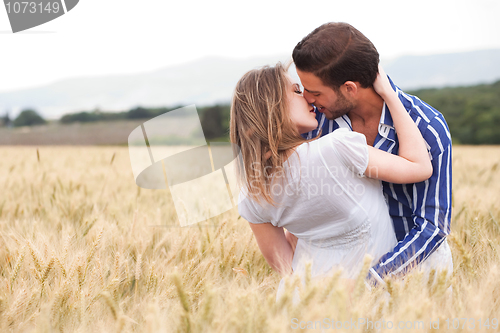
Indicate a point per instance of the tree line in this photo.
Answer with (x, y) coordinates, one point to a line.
(472, 114)
(214, 119)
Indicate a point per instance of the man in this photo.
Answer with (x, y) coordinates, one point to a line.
(337, 66)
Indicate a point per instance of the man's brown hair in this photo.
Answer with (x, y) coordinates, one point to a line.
(336, 53)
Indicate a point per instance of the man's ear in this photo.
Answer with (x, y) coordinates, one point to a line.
(350, 88)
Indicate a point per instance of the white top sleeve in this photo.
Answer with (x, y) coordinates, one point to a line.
(351, 148)
(248, 210)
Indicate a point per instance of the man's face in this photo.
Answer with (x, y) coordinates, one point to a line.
(329, 102)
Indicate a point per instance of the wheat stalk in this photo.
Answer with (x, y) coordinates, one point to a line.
(36, 258)
(184, 301)
(17, 266)
(138, 269)
(94, 247)
(108, 300)
(359, 285)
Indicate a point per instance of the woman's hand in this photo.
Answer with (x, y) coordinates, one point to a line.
(382, 85)
(413, 164)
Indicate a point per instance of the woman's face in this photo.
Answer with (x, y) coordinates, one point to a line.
(301, 113)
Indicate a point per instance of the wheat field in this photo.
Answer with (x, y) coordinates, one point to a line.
(83, 249)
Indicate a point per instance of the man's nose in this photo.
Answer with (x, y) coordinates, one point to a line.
(309, 97)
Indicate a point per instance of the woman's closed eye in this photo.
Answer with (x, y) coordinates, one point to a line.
(296, 88)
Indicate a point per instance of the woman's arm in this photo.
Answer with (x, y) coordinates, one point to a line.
(274, 246)
(292, 239)
(412, 164)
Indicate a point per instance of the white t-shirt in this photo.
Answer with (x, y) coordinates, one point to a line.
(337, 213)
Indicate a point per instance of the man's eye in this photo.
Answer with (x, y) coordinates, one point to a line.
(316, 95)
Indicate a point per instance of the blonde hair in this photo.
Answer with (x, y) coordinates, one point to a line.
(261, 128)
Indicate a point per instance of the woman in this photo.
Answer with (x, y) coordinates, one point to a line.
(325, 191)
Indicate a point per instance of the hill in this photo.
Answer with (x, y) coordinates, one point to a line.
(211, 80)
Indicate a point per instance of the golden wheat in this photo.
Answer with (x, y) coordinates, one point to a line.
(83, 249)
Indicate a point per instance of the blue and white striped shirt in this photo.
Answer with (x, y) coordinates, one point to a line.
(421, 212)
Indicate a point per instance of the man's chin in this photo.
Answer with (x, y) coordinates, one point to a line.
(334, 115)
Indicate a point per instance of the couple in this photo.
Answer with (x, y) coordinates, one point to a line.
(350, 166)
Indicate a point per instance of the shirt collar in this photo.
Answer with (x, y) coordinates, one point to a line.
(386, 126)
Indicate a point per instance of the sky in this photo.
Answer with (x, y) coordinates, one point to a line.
(102, 37)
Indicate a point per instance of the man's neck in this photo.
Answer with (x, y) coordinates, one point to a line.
(365, 117)
(369, 108)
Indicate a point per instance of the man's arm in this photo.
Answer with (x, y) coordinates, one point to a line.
(431, 206)
(417, 245)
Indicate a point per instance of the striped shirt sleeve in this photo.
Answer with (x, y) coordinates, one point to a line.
(431, 209)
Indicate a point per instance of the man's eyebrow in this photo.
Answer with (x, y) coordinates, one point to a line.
(311, 91)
